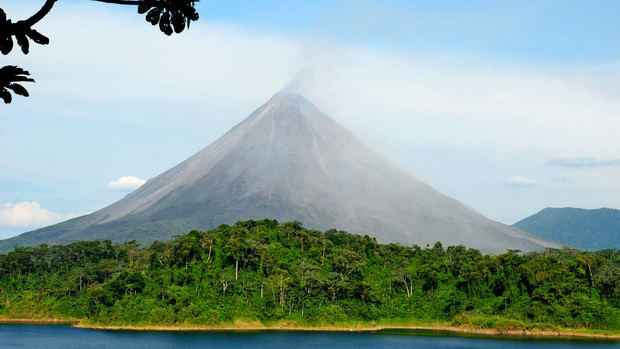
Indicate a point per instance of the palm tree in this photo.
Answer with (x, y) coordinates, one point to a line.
(9, 76)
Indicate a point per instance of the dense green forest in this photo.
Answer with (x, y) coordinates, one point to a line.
(270, 272)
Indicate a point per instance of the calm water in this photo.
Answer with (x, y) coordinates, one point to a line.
(52, 337)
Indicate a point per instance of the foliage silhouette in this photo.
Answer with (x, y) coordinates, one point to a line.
(173, 16)
(9, 76)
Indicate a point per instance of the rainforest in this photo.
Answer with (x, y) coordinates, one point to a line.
(282, 273)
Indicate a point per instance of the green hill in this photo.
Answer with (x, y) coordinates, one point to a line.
(576, 227)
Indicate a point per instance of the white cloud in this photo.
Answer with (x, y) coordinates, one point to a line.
(226, 71)
(583, 161)
(28, 214)
(518, 181)
(126, 183)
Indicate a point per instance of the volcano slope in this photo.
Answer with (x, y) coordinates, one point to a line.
(291, 162)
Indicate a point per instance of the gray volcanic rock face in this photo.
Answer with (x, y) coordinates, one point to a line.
(289, 161)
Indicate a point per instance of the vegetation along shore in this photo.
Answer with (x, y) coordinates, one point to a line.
(265, 275)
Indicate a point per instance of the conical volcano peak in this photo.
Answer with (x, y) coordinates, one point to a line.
(285, 117)
(286, 99)
(290, 97)
(291, 162)
(288, 103)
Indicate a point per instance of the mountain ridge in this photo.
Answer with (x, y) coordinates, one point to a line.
(588, 229)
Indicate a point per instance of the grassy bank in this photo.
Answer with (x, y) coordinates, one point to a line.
(40, 321)
(500, 327)
(464, 325)
(505, 327)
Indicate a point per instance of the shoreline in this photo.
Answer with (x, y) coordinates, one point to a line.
(568, 333)
(41, 321)
(359, 328)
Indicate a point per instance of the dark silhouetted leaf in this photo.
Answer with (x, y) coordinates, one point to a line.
(9, 75)
(18, 89)
(164, 24)
(192, 14)
(23, 42)
(6, 96)
(38, 37)
(171, 15)
(153, 16)
(12, 70)
(23, 79)
(6, 45)
(178, 22)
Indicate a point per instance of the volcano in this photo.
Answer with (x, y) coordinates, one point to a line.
(291, 162)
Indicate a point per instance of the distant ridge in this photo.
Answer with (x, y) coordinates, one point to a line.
(576, 227)
(289, 161)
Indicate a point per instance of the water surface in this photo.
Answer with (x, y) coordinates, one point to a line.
(66, 337)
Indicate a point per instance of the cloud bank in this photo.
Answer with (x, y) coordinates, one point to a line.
(126, 183)
(583, 162)
(28, 214)
(519, 182)
(215, 72)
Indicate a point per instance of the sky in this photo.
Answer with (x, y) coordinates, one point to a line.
(509, 107)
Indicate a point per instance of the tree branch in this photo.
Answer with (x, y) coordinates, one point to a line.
(121, 2)
(124, 2)
(47, 7)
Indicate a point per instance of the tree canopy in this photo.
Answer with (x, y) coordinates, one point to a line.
(269, 271)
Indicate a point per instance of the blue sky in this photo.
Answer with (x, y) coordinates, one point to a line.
(507, 106)
(530, 31)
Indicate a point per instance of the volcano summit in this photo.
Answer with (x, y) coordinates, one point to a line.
(289, 161)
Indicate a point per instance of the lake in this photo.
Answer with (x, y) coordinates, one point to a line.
(53, 337)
